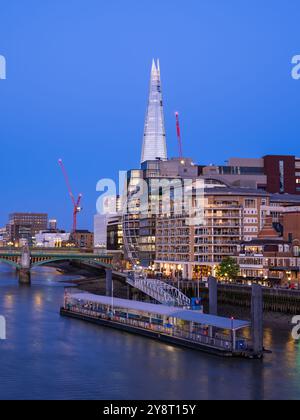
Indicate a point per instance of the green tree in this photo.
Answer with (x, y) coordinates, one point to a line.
(228, 269)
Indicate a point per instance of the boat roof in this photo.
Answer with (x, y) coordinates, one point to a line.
(164, 310)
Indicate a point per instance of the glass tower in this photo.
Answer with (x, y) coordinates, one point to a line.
(154, 142)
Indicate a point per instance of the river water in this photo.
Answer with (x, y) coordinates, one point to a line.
(46, 356)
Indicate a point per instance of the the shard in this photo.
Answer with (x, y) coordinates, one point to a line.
(154, 142)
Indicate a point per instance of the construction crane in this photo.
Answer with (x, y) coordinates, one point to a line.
(178, 131)
(76, 203)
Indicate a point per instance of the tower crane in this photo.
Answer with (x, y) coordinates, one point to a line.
(178, 131)
(76, 202)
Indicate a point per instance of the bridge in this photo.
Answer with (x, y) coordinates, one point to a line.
(162, 292)
(25, 259)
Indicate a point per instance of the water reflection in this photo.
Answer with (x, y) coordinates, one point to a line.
(47, 356)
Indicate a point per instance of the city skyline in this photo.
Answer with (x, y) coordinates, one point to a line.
(150, 218)
(228, 101)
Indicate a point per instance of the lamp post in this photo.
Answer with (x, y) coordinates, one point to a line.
(232, 333)
(112, 296)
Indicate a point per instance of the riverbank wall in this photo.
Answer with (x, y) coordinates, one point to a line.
(274, 300)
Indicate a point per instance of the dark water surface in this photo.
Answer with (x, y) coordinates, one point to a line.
(49, 357)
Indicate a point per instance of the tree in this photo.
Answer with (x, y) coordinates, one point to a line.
(228, 269)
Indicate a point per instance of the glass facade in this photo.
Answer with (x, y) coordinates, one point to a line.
(154, 142)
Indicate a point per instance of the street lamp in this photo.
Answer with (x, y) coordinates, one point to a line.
(232, 333)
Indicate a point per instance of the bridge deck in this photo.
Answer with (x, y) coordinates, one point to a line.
(39, 257)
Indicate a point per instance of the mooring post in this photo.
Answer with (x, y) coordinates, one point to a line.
(108, 281)
(24, 272)
(213, 295)
(257, 319)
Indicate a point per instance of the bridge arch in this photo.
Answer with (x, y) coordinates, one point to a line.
(65, 258)
(10, 262)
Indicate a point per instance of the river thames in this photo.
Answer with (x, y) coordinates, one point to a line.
(46, 356)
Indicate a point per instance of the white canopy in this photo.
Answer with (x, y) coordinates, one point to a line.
(163, 310)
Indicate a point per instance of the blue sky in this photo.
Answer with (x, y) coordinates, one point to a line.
(77, 85)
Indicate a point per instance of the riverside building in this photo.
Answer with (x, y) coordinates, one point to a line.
(194, 251)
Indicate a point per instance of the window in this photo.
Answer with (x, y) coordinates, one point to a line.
(281, 175)
(250, 203)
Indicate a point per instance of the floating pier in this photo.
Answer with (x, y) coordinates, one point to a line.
(169, 324)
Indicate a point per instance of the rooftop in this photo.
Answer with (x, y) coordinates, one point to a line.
(292, 198)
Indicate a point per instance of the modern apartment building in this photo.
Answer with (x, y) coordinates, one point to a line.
(230, 216)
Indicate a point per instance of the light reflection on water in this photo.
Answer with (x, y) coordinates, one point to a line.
(47, 356)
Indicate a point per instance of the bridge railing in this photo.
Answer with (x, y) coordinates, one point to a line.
(162, 292)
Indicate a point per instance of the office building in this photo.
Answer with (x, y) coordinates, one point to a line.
(154, 140)
(22, 227)
(272, 173)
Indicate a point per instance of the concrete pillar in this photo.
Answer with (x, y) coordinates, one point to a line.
(25, 263)
(24, 276)
(213, 295)
(185, 273)
(109, 280)
(257, 319)
(233, 339)
(190, 271)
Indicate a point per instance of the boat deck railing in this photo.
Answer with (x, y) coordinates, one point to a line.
(216, 341)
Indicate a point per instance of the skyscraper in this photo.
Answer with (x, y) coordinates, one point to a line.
(154, 142)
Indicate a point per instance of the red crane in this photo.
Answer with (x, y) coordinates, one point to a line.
(178, 131)
(76, 203)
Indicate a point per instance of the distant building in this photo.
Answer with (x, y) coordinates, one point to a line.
(111, 207)
(273, 257)
(22, 227)
(154, 141)
(53, 224)
(291, 227)
(269, 261)
(83, 239)
(50, 239)
(100, 231)
(272, 173)
(3, 237)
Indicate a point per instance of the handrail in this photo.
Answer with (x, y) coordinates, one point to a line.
(164, 293)
(196, 337)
